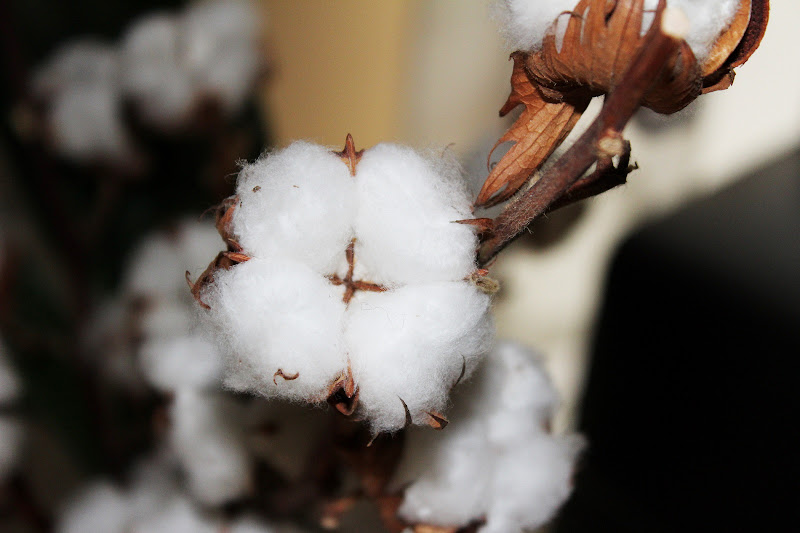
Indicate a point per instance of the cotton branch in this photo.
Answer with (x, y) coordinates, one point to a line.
(599, 143)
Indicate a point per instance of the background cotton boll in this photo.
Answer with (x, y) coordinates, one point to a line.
(163, 317)
(524, 23)
(206, 434)
(412, 343)
(152, 71)
(153, 482)
(85, 123)
(78, 63)
(178, 362)
(178, 516)
(220, 40)
(531, 481)
(278, 316)
(100, 507)
(406, 212)
(158, 265)
(298, 203)
(11, 436)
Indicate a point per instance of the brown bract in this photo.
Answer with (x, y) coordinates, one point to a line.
(598, 45)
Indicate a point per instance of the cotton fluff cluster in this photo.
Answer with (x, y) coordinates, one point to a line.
(170, 61)
(496, 459)
(166, 64)
(177, 360)
(81, 90)
(10, 428)
(281, 315)
(525, 23)
(152, 503)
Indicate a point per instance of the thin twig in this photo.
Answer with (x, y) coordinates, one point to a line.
(660, 43)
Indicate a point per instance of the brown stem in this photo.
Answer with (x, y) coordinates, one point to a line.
(598, 142)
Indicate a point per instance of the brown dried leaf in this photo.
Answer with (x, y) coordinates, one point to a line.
(540, 128)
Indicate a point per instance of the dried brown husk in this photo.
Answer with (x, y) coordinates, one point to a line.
(599, 42)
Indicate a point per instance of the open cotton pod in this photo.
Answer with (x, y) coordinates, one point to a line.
(349, 276)
(585, 50)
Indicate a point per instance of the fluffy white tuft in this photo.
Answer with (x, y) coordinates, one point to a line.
(297, 204)
(100, 507)
(152, 70)
(282, 311)
(278, 316)
(407, 208)
(411, 344)
(220, 41)
(495, 460)
(206, 436)
(524, 23)
(180, 362)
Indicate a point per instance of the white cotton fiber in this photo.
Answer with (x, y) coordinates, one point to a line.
(86, 123)
(297, 204)
(220, 42)
(407, 208)
(708, 19)
(178, 516)
(77, 63)
(411, 344)
(100, 507)
(524, 23)
(180, 362)
(158, 266)
(153, 71)
(206, 436)
(521, 473)
(279, 316)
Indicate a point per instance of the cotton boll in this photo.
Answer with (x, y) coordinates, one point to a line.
(178, 516)
(411, 344)
(220, 39)
(86, 123)
(100, 507)
(524, 23)
(152, 71)
(495, 437)
(206, 436)
(299, 204)
(405, 227)
(153, 483)
(77, 63)
(179, 362)
(531, 481)
(278, 317)
(708, 19)
(452, 483)
(158, 265)
(165, 318)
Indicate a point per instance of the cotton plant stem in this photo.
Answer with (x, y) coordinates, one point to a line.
(599, 142)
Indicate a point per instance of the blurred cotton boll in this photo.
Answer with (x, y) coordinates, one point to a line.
(496, 461)
(11, 430)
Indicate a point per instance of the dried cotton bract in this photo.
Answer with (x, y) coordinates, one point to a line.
(496, 463)
(347, 278)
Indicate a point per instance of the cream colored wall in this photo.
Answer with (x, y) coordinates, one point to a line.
(435, 72)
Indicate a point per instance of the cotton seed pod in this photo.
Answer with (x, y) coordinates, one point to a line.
(350, 277)
(585, 53)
